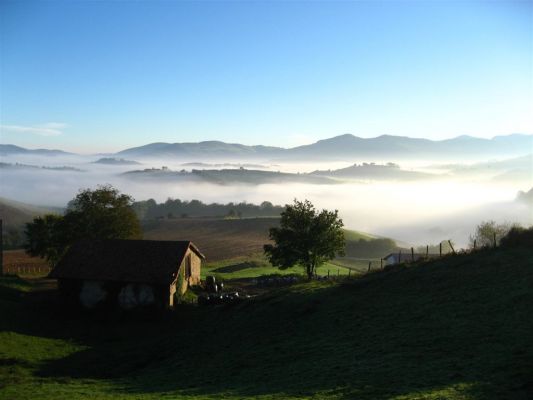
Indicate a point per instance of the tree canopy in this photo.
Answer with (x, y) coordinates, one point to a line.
(305, 237)
(103, 213)
(489, 233)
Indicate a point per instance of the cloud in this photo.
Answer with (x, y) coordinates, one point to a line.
(47, 129)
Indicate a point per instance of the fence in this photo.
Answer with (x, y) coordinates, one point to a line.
(25, 269)
(400, 257)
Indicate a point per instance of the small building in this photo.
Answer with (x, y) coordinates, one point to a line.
(407, 256)
(128, 273)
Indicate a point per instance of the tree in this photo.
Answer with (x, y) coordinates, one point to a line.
(103, 213)
(46, 238)
(488, 231)
(305, 237)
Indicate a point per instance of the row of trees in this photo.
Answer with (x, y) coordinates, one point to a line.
(176, 208)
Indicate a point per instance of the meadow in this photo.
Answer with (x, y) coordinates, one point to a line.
(455, 328)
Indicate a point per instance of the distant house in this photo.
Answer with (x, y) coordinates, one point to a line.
(128, 273)
(401, 257)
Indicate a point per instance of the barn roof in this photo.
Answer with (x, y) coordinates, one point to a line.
(142, 261)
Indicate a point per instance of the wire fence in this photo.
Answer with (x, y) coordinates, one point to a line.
(402, 256)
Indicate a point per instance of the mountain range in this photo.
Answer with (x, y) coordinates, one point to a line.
(336, 148)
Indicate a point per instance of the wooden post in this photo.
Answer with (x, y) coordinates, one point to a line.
(349, 272)
(427, 250)
(1, 249)
(328, 273)
(474, 244)
(369, 264)
(440, 249)
(400, 257)
(412, 255)
(382, 263)
(338, 272)
(451, 246)
(494, 240)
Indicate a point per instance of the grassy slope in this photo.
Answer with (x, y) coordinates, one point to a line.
(222, 239)
(457, 328)
(14, 213)
(257, 265)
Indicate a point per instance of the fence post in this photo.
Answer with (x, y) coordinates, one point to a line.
(382, 263)
(494, 235)
(451, 246)
(474, 244)
(440, 249)
(427, 250)
(369, 264)
(349, 272)
(1, 248)
(412, 255)
(400, 257)
(338, 272)
(328, 273)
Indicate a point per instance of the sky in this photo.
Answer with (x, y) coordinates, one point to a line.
(104, 76)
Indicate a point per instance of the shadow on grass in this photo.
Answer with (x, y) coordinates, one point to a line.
(238, 267)
(462, 324)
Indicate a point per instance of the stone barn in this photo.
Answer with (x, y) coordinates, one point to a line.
(128, 273)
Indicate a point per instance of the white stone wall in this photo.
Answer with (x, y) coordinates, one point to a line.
(92, 293)
(134, 295)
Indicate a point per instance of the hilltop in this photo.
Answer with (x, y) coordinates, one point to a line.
(115, 161)
(456, 328)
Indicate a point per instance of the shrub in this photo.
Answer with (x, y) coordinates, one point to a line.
(518, 236)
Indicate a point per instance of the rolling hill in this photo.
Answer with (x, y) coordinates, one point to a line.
(10, 149)
(371, 171)
(226, 176)
(222, 239)
(16, 214)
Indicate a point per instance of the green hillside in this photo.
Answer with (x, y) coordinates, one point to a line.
(457, 328)
(224, 239)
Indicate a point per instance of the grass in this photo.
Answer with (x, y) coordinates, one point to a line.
(257, 265)
(457, 328)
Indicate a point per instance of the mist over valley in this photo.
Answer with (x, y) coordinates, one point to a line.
(405, 195)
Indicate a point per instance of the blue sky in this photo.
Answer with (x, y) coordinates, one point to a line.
(103, 76)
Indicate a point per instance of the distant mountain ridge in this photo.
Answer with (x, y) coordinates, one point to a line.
(342, 147)
(11, 149)
(336, 148)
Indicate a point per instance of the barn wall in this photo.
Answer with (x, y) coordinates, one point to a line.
(100, 294)
(196, 267)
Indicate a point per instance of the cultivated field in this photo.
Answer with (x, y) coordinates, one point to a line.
(219, 239)
(19, 263)
(226, 239)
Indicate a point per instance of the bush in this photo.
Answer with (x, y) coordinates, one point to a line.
(518, 236)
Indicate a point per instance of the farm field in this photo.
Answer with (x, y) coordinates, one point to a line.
(223, 239)
(454, 328)
(18, 262)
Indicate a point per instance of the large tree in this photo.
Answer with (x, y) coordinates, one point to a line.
(103, 213)
(305, 237)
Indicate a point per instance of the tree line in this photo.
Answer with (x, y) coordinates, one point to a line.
(176, 208)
